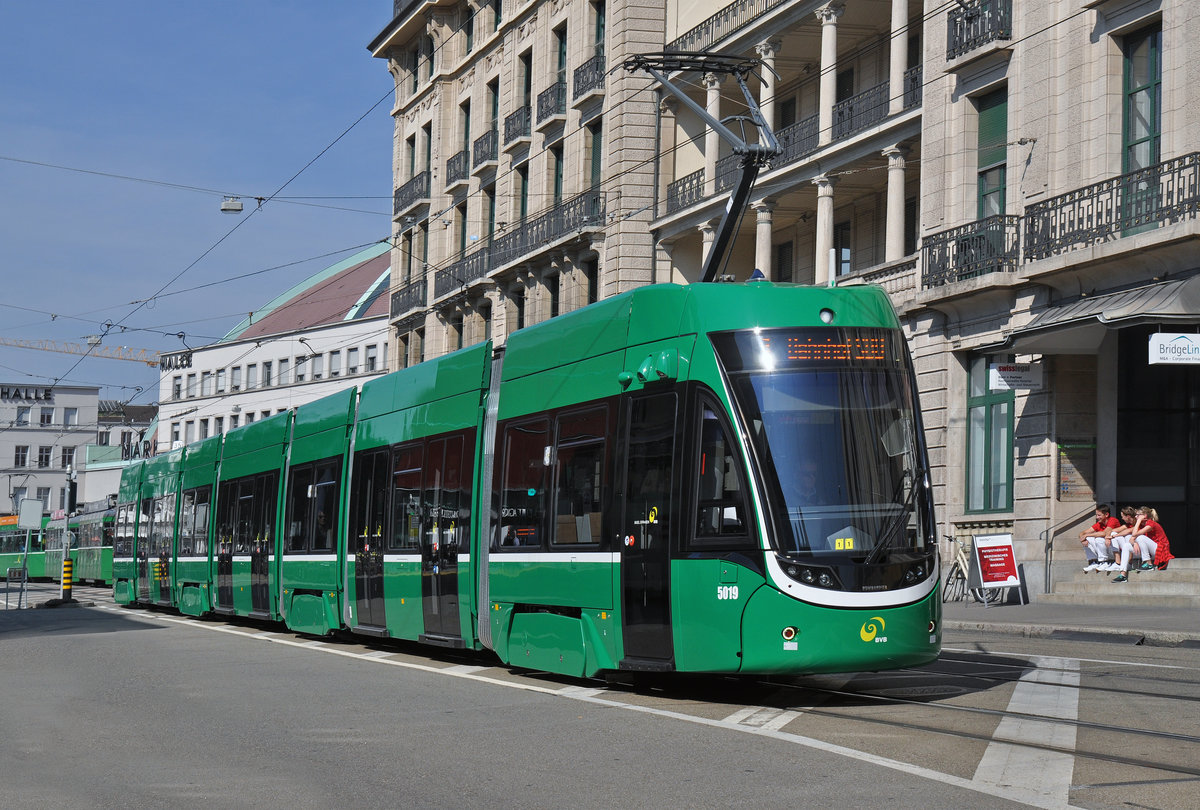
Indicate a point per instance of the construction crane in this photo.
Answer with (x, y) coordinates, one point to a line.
(92, 348)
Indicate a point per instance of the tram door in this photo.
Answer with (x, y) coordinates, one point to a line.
(442, 531)
(145, 532)
(369, 516)
(646, 531)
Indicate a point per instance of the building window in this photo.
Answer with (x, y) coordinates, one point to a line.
(518, 300)
(318, 366)
(67, 457)
(497, 14)
(249, 417)
(910, 226)
(43, 495)
(221, 381)
(233, 421)
(552, 290)
(351, 361)
(47, 417)
(335, 363)
(218, 425)
(595, 147)
(842, 236)
(102, 437)
(469, 27)
(189, 432)
(177, 387)
(283, 371)
(522, 191)
(18, 495)
(301, 368)
(21, 456)
(191, 385)
(175, 433)
(1143, 99)
(71, 417)
(23, 415)
(206, 383)
(782, 261)
(989, 441)
(251, 377)
(44, 454)
(372, 357)
(203, 428)
(591, 271)
(992, 153)
(235, 378)
(456, 331)
(485, 315)
(267, 368)
(556, 171)
(419, 345)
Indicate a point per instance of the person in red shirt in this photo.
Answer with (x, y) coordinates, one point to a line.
(1095, 540)
(1150, 536)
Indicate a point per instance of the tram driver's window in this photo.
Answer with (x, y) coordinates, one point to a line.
(579, 490)
(297, 509)
(721, 511)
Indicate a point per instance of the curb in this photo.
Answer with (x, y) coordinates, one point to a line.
(1148, 638)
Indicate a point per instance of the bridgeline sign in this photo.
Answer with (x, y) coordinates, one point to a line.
(1169, 348)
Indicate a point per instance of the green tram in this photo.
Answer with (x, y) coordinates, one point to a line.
(723, 478)
(89, 536)
(13, 552)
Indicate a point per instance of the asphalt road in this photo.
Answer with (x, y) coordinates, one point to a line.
(106, 706)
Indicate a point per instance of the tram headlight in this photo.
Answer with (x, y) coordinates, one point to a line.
(824, 580)
(793, 571)
(807, 576)
(910, 576)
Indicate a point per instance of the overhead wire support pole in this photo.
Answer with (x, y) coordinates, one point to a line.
(754, 155)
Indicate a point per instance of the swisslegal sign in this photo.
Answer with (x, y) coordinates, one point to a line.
(1174, 349)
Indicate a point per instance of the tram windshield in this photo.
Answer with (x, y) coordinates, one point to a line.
(834, 432)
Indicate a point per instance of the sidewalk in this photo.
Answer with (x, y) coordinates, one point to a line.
(1155, 627)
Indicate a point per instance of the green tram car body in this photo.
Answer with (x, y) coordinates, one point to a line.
(725, 478)
(88, 535)
(21, 548)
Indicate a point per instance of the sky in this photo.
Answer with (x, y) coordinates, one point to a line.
(218, 97)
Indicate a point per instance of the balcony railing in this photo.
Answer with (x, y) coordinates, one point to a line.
(728, 171)
(797, 140)
(977, 24)
(581, 211)
(517, 125)
(456, 168)
(486, 147)
(589, 76)
(989, 245)
(912, 87)
(410, 296)
(685, 191)
(722, 24)
(552, 101)
(410, 193)
(861, 111)
(1120, 206)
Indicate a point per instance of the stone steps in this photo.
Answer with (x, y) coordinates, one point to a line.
(1177, 587)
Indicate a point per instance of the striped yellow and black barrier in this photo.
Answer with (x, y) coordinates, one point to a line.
(68, 570)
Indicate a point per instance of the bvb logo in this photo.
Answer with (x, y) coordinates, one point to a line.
(654, 515)
(870, 630)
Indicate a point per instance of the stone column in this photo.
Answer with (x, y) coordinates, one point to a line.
(894, 242)
(762, 236)
(768, 89)
(824, 228)
(828, 15)
(899, 56)
(708, 233)
(712, 141)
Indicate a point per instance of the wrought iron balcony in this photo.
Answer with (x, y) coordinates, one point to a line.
(978, 23)
(797, 140)
(725, 22)
(517, 125)
(861, 111)
(1120, 206)
(410, 193)
(580, 212)
(456, 168)
(989, 245)
(486, 147)
(685, 191)
(589, 76)
(728, 171)
(553, 101)
(912, 87)
(410, 296)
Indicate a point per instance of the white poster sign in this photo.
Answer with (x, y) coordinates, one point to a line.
(1011, 376)
(1171, 348)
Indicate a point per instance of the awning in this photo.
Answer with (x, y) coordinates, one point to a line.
(1079, 326)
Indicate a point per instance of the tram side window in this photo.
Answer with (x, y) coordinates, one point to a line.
(123, 541)
(581, 469)
(368, 514)
(193, 531)
(720, 496)
(407, 515)
(298, 519)
(226, 516)
(523, 484)
(447, 493)
(243, 532)
(325, 505)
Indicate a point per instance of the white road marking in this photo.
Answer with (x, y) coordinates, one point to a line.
(1077, 660)
(1048, 693)
(999, 791)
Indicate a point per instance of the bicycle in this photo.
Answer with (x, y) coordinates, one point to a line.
(955, 587)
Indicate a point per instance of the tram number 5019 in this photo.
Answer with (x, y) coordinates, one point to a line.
(727, 592)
